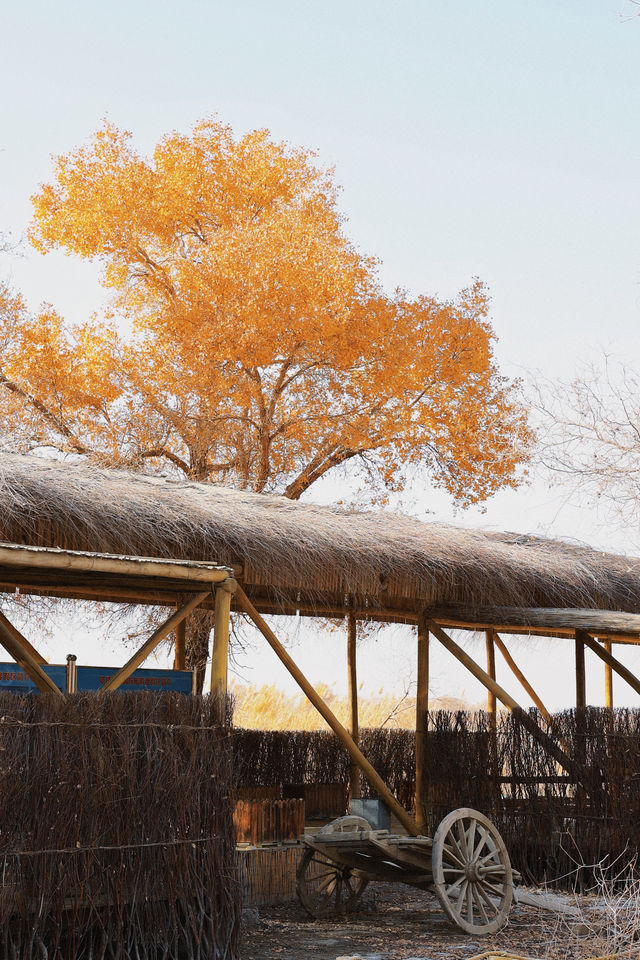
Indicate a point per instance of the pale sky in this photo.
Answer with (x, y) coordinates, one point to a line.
(499, 140)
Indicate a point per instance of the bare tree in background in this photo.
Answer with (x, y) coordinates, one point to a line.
(589, 436)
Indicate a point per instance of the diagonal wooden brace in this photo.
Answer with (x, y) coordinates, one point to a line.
(517, 672)
(356, 755)
(149, 645)
(612, 662)
(559, 755)
(21, 639)
(30, 666)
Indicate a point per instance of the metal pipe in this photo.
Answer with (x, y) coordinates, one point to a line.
(72, 673)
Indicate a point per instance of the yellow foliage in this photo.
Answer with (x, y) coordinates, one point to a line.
(263, 350)
(269, 708)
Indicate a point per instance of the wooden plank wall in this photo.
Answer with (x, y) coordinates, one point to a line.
(323, 801)
(268, 821)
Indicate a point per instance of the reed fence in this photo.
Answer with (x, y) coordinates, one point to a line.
(557, 828)
(116, 833)
(291, 758)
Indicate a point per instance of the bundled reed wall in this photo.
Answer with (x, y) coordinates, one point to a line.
(265, 758)
(116, 833)
(556, 829)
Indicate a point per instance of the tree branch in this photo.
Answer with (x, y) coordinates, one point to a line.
(44, 411)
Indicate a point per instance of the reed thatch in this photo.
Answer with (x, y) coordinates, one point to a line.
(302, 555)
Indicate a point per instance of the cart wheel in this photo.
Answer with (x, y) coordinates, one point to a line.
(325, 887)
(472, 872)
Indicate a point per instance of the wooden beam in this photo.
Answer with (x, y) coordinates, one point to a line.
(220, 655)
(520, 676)
(525, 718)
(352, 632)
(422, 718)
(104, 594)
(179, 657)
(581, 686)
(21, 639)
(612, 662)
(491, 670)
(608, 678)
(608, 622)
(285, 605)
(554, 633)
(406, 614)
(355, 753)
(162, 631)
(31, 667)
(377, 614)
(73, 560)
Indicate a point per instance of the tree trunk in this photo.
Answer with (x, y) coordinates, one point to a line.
(198, 632)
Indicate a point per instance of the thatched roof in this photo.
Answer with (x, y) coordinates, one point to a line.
(301, 555)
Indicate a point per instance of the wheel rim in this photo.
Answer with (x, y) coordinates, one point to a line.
(348, 824)
(472, 872)
(325, 887)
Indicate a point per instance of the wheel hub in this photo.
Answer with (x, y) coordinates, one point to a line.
(472, 871)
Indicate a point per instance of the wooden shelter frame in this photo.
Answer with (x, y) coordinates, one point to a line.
(187, 585)
(80, 575)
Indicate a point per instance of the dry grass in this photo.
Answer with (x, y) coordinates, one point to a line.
(299, 553)
(607, 922)
(270, 708)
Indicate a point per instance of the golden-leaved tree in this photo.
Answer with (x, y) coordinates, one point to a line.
(247, 341)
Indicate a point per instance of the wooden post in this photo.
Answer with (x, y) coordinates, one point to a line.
(422, 718)
(179, 658)
(164, 630)
(491, 670)
(220, 655)
(354, 752)
(23, 657)
(527, 721)
(608, 678)
(492, 769)
(581, 694)
(354, 772)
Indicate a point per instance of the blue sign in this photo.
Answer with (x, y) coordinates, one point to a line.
(13, 677)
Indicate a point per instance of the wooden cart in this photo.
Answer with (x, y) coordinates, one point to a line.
(466, 864)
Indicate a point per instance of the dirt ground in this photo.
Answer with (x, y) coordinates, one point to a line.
(398, 923)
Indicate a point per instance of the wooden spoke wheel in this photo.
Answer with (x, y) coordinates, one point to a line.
(325, 887)
(472, 872)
